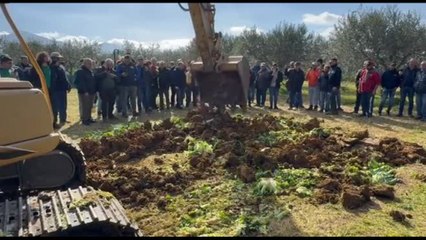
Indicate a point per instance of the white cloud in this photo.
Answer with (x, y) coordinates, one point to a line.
(49, 35)
(326, 32)
(324, 18)
(237, 30)
(63, 38)
(174, 43)
(4, 33)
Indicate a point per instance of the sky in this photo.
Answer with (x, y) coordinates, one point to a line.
(167, 24)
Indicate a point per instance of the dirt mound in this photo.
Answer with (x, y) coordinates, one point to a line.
(246, 173)
(382, 191)
(399, 216)
(354, 197)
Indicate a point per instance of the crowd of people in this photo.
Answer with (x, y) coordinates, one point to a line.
(324, 84)
(131, 87)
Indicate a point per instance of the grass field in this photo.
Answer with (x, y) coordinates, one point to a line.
(324, 220)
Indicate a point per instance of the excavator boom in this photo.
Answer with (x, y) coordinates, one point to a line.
(222, 80)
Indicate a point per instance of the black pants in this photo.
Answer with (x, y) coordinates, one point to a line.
(191, 94)
(154, 94)
(107, 102)
(174, 97)
(357, 102)
(164, 94)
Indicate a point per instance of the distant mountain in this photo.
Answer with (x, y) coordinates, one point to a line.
(105, 47)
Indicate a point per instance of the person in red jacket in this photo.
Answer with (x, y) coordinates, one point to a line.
(368, 83)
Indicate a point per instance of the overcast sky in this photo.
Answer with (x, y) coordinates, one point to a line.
(166, 23)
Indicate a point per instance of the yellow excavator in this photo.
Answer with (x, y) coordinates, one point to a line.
(43, 188)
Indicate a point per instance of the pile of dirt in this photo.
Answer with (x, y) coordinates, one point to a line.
(239, 149)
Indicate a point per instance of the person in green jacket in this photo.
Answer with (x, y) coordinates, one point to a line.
(6, 66)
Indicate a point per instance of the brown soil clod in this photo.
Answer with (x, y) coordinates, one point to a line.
(382, 191)
(397, 216)
(311, 124)
(246, 173)
(354, 197)
(158, 161)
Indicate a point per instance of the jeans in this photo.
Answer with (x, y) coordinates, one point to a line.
(313, 96)
(367, 101)
(407, 92)
(251, 94)
(273, 96)
(107, 98)
(324, 102)
(294, 101)
(154, 94)
(357, 102)
(180, 92)
(59, 106)
(299, 98)
(421, 105)
(261, 97)
(86, 106)
(333, 100)
(387, 93)
(125, 92)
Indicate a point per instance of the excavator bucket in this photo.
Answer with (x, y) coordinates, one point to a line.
(228, 86)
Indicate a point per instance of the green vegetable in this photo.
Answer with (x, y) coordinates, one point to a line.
(266, 187)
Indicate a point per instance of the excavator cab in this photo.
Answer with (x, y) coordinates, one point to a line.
(223, 80)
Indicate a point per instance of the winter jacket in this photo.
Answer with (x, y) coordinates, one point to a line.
(139, 75)
(369, 81)
(179, 78)
(86, 81)
(164, 78)
(148, 78)
(324, 82)
(106, 79)
(409, 77)
(280, 78)
(391, 79)
(127, 74)
(23, 71)
(295, 80)
(312, 77)
(59, 81)
(263, 79)
(420, 84)
(335, 76)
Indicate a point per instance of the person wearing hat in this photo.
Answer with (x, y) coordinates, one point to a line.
(59, 87)
(312, 77)
(274, 88)
(262, 84)
(368, 83)
(390, 82)
(296, 77)
(6, 66)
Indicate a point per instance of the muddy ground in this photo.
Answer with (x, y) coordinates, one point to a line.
(148, 170)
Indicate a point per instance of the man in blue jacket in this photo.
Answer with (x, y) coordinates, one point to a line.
(179, 78)
(126, 71)
(420, 88)
(390, 82)
(407, 87)
(335, 78)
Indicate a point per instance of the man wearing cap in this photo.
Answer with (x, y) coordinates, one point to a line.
(390, 82)
(368, 83)
(60, 87)
(312, 77)
(6, 67)
(274, 88)
(126, 71)
(262, 84)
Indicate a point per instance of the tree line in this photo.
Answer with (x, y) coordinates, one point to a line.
(383, 35)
